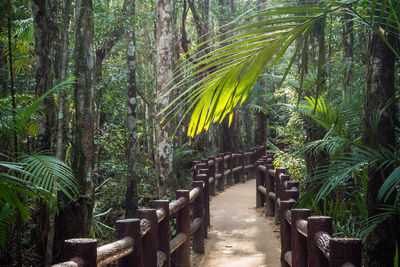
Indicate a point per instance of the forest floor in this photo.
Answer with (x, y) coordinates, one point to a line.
(240, 234)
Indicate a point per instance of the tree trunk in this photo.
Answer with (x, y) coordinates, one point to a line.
(348, 44)
(77, 217)
(164, 151)
(44, 33)
(131, 191)
(379, 248)
(61, 74)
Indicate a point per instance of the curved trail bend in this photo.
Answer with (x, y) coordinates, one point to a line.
(240, 235)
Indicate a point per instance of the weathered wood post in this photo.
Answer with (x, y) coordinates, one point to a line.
(164, 231)
(291, 194)
(204, 177)
(317, 224)
(221, 181)
(284, 178)
(195, 167)
(212, 171)
(230, 167)
(209, 174)
(278, 191)
(293, 185)
(263, 149)
(198, 212)
(131, 228)
(235, 162)
(345, 250)
(269, 184)
(242, 162)
(253, 159)
(149, 241)
(260, 198)
(81, 250)
(285, 231)
(183, 226)
(299, 241)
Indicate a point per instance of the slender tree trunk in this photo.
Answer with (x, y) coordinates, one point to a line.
(380, 248)
(348, 45)
(44, 33)
(131, 191)
(77, 217)
(61, 74)
(164, 37)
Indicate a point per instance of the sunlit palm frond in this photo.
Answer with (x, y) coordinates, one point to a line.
(240, 57)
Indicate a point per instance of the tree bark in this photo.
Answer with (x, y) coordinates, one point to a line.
(379, 248)
(60, 68)
(44, 33)
(348, 45)
(77, 217)
(131, 191)
(164, 151)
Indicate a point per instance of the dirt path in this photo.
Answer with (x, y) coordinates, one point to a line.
(240, 236)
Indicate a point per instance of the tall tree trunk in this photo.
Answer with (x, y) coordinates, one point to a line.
(131, 191)
(164, 151)
(348, 45)
(44, 33)
(61, 74)
(379, 248)
(77, 217)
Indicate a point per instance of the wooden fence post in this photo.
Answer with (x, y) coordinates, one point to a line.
(211, 175)
(183, 226)
(149, 241)
(278, 190)
(260, 198)
(81, 249)
(345, 250)
(204, 177)
(285, 231)
(291, 194)
(195, 167)
(242, 162)
(299, 241)
(221, 181)
(269, 184)
(131, 228)
(316, 224)
(230, 167)
(164, 231)
(198, 212)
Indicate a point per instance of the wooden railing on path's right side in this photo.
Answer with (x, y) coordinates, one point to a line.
(306, 240)
(146, 240)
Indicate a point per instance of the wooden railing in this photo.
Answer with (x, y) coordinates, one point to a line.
(306, 240)
(146, 240)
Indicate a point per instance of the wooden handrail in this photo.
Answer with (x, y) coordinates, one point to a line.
(114, 251)
(175, 206)
(137, 239)
(318, 248)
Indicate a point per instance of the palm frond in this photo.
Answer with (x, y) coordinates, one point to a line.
(49, 174)
(6, 221)
(237, 62)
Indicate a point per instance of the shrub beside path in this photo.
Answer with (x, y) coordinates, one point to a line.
(240, 235)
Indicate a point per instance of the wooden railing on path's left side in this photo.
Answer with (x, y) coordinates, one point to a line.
(146, 240)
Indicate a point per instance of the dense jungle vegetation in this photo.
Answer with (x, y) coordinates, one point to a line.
(105, 103)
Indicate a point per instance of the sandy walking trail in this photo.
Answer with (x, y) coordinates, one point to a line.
(240, 235)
